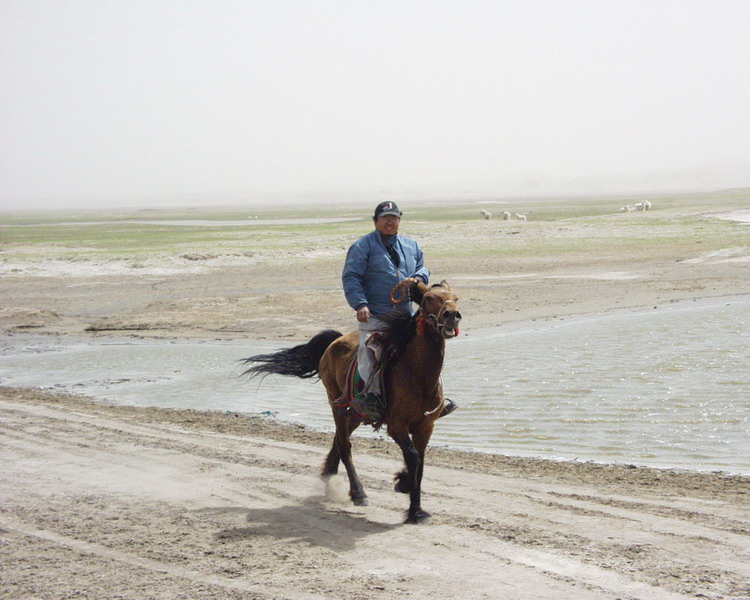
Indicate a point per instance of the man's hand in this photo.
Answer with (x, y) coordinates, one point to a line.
(363, 314)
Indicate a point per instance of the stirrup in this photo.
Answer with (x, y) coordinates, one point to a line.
(448, 407)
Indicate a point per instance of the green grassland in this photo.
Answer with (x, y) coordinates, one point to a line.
(556, 227)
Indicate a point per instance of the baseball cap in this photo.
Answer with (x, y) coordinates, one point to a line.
(386, 208)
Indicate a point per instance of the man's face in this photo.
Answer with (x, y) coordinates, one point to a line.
(388, 224)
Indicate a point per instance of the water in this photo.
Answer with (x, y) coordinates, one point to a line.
(666, 387)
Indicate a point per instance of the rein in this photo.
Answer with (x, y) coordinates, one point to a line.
(398, 288)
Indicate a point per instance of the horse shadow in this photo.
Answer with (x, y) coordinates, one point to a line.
(313, 522)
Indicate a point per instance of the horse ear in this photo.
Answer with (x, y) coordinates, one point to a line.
(417, 290)
(444, 284)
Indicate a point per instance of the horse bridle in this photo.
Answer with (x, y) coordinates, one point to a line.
(434, 320)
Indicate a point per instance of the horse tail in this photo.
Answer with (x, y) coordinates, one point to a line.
(299, 361)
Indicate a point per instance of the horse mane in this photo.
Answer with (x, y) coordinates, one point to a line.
(402, 327)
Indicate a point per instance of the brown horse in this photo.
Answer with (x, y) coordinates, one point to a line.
(416, 347)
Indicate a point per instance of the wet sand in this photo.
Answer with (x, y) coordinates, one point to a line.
(101, 501)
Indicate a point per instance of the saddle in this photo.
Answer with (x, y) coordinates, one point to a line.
(355, 403)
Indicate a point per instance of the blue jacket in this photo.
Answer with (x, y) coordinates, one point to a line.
(370, 274)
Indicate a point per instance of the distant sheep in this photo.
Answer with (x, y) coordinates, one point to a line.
(485, 214)
(639, 207)
(643, 206)
(505, 215)
(520, 217)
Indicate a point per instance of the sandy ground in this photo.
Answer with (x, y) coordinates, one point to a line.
(100, 501)
(114, 502)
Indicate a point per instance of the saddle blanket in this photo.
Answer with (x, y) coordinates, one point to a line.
(353, 401)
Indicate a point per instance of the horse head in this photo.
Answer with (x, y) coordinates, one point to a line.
(438, 306)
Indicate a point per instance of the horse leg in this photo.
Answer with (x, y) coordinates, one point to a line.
(421, 437)
(409, 479)
(356, 491)
(331, 464)
(341, 451)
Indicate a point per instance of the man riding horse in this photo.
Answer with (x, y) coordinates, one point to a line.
(375, 264)
(382, 269)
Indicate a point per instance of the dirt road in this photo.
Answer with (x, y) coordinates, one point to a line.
(119, 502)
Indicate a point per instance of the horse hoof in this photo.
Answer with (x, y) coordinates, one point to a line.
(416, 517)
(360, 501)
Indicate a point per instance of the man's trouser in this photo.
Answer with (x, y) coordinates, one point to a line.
(368, 354)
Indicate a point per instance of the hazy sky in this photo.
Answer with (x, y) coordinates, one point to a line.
(108, 102)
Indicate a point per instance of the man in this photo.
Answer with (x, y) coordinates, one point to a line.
(375, 263)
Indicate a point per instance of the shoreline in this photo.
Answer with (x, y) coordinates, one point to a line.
(520, 323)
(235, 400)
(244, 423)
(263, 425)
(109, 501)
